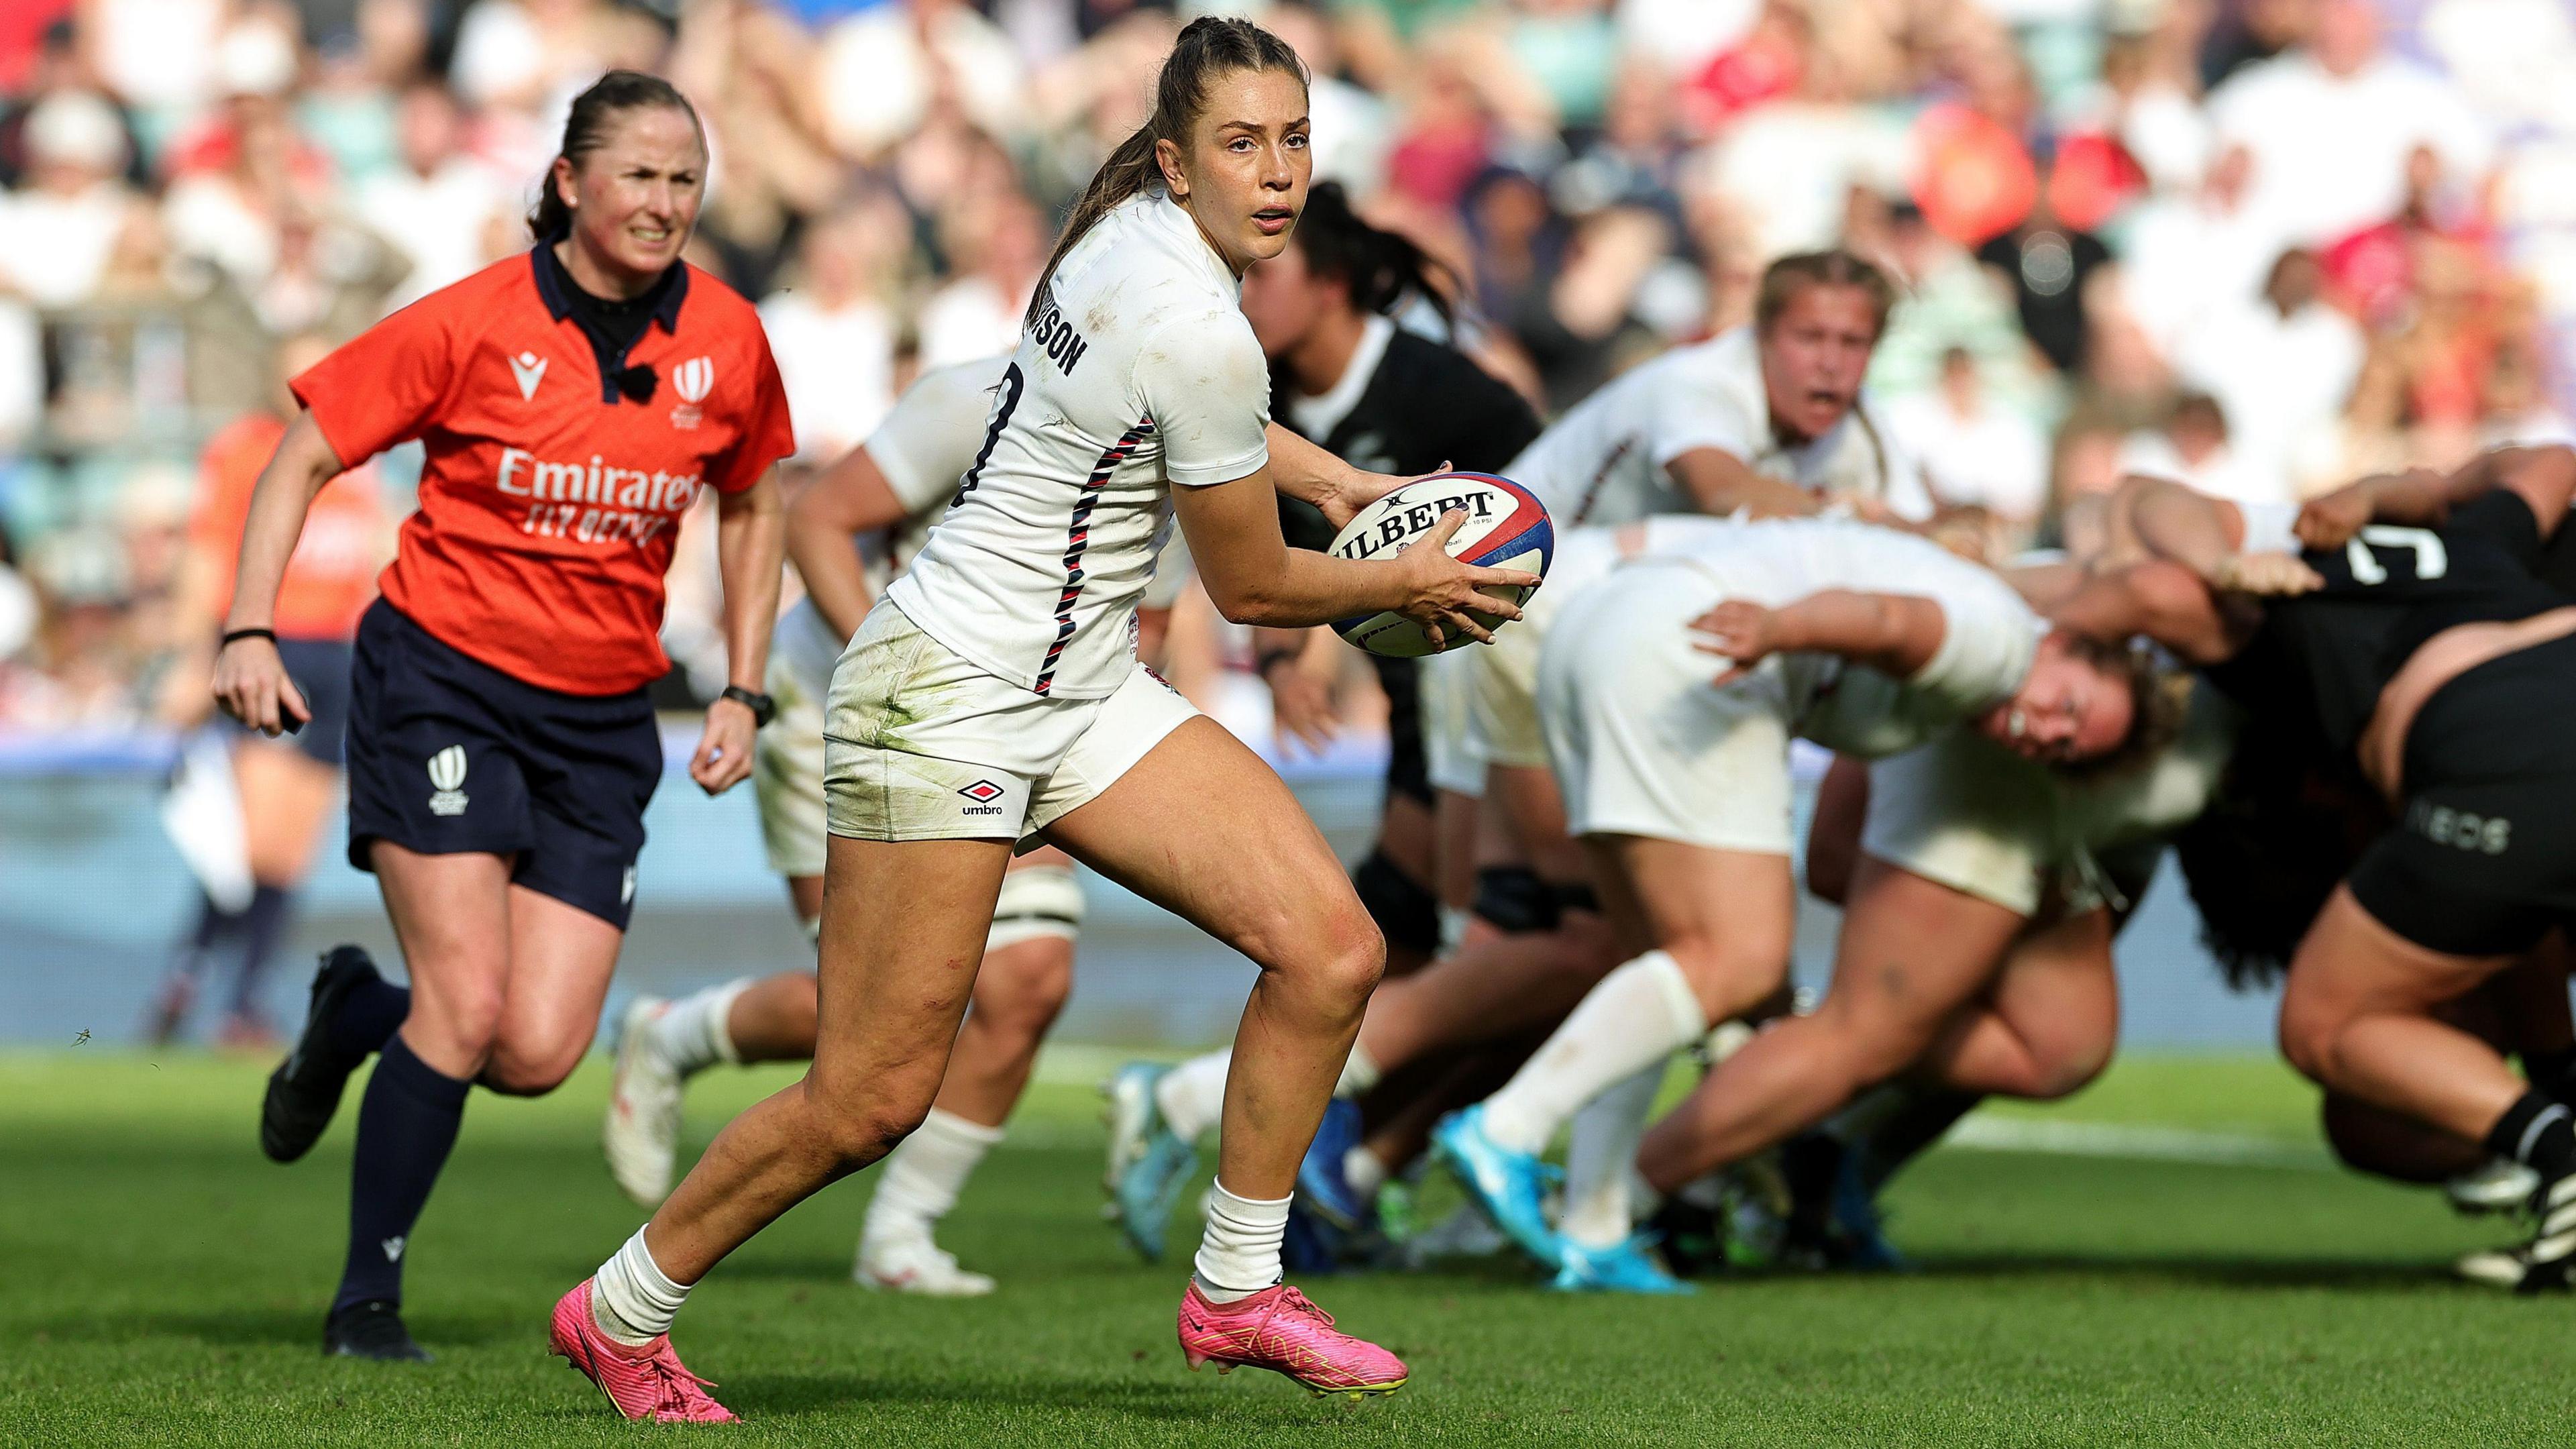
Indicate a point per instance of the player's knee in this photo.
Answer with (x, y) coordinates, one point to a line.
(2307, 1040)
(456, 1023)
(2069, 1068)
(1021, 989)
(861, 1133)
(1731, 970)
(531, 1066)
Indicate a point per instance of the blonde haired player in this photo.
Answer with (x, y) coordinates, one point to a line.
(850, 531)
(994, 694)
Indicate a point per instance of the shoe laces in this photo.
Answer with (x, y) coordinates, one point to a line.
(1292, 1301)
(676, 1388)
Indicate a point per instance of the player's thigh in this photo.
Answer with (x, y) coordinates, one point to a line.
(2350, 965)
(1733, 908)
(904, 926)
(286, 796)
(1201, 827)
(1911, 952)
(1531, 807)
(2059, 992)
(561, 960)
(451, 916)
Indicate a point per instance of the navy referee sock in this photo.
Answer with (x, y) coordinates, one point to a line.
(2538, 1132)
(405, 1128)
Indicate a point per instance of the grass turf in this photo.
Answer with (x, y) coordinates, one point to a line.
(160, 1283)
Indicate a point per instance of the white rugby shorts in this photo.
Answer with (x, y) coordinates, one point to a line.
(1446, 682)
(919, 744)
(787, 773)
(1641, 740)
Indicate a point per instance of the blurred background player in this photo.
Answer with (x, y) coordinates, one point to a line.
(286, 787)
(850, 530)
(575, 401)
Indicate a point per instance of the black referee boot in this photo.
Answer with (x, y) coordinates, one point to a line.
(370, 1330)
(305, 1089)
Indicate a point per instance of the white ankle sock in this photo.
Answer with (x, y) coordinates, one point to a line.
(1362, 1170)
(1359, 1074)
(1638, 1016)
(925, 1172)
(631, 1299)
(1604, 1196)
(691, 1034)
(1191, 1096)
(1239, 1252)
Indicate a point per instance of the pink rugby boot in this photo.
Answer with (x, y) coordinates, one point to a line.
(1280, 1330)
(644, 1383)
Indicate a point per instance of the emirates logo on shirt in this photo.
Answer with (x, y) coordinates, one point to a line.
(692, 380)
(593, 501)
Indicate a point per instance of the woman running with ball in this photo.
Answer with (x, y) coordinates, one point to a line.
(993, 694)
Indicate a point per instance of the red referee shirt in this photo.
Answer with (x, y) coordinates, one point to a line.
(548, 508)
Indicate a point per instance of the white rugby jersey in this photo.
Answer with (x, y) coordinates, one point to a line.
(1988, 633)
(1140, 373)
(923, 447)
(1604, 461)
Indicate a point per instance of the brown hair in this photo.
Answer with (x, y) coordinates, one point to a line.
(2159, 702)
(1209, 47)
(1784, 279)
(594, 112)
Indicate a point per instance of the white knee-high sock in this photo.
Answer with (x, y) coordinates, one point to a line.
(1239, 1252)
(1191, 1096)
(631, 1299)
(1639, 1015)
(1359, 1074)
(1604, 1195)
(690, 1034)
(924, 1174)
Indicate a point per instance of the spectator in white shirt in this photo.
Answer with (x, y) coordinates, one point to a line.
(2331, 124)
(997, 243)
(833, 334)
(2282, 369)
(1975, 452)
(62, 227)
(435, 203)
(2191, 448)
(2184, 256)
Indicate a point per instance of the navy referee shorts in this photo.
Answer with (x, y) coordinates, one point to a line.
(448, 756)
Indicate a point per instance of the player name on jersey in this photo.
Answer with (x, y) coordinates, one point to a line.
(1055, 336)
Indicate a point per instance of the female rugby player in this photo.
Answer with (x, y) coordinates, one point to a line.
(849, 530)
(1344, 373)
(2426, 650)
(994, 693)
(1676, 775)
(575, 401)
(286, 787)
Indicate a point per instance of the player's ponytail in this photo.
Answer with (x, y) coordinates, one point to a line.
(1208, 48)
(1381, 268)
(586, 128)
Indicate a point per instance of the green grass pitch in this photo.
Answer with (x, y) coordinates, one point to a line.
(160, 1283)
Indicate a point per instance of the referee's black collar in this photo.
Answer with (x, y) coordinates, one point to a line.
(668, 291)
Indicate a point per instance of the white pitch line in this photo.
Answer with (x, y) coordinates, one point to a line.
(2120, 1139)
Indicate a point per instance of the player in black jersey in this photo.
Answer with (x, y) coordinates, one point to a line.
(2413, 640)
(1337, 313)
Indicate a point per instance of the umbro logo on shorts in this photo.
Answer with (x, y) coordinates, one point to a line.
(983, 793)
(446, 773)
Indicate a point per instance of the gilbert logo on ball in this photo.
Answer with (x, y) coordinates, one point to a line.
(1506, 527)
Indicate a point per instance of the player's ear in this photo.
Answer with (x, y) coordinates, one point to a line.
(1167, 157)
(564, 180)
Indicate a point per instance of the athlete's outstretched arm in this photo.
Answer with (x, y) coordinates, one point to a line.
(2545, 478)
(751, 534)
(824, 520)
(1254, 577)
(1720, 483)
(1895, 634)
(2152, 518)
(2164, 601)
(250, 678)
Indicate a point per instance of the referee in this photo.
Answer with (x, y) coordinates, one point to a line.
(574, 402)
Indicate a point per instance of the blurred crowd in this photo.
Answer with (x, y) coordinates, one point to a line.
(2259, 245)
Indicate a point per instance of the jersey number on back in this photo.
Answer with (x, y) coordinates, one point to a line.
(1012, 383)
(2432, 560)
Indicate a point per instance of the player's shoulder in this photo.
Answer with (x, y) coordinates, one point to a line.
(714, 302)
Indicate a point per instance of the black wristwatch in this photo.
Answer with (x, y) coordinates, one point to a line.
(763, 708)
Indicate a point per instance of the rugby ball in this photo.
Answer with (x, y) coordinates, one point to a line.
(1506, 527)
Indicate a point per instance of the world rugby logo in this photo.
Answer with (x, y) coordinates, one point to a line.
(692, 380)
(446, 773)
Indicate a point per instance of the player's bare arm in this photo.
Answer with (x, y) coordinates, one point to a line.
(1253, 577)
(1720, 484)
(1896, 634)
(250, 679)
(751, 528)
(824, 521)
